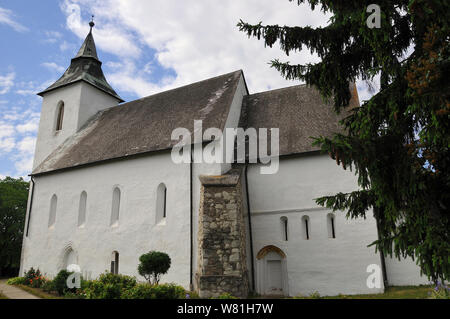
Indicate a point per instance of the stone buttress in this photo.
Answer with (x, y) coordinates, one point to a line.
(222, 266)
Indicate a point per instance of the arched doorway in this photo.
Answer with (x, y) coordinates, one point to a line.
(271, 271)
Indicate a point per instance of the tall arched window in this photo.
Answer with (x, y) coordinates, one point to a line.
(284, 228)
(161, 203)
(60, 116)
(115, 262)
(115, 207)
(331, 226)
(52, 213)
(82, 209)
(306, 227)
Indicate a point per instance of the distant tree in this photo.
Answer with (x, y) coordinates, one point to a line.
(13, 205)
(152, 265)
(398, 141)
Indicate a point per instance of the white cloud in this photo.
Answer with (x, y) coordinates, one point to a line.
(6, 17)
(7, 144)
(27, 145)
(6, 82)
(6, 130)
(53, 67)
(24, 165)
(109, 34)
(30, 126)
(196, 39)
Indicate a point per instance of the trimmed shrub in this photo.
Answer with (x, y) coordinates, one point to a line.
(147, 291)
(108, 286)
(152, 265)
(60, 282)
(17, 281)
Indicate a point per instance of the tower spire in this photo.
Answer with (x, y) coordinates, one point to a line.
(88, 48)
(85, 66)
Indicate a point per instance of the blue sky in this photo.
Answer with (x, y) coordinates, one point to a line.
(146, 46)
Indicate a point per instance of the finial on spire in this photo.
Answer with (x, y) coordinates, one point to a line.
(91, 24)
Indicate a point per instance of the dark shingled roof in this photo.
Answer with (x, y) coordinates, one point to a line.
(146, 124)
(85, 66)
(298, 111)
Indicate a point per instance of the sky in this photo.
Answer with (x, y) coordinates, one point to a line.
(146, 46)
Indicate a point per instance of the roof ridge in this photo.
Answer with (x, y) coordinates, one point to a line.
(280, 89)
(180, 87)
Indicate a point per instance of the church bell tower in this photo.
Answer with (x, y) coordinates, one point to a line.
(76, 96)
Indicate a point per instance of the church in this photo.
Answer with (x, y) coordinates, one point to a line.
(105, 190)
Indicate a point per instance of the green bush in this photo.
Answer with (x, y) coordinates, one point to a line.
(60, 282)
(147, 291)
(108, 286)
(17, 281)
(33, 278)
(152, 265)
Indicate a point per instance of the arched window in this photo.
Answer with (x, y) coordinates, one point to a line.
(284, 228)
(60, 116)
(306, 227)
(331, 226)
(82, 209)
(115, 262)
(115, 207)
(52, 213)
(161, 203)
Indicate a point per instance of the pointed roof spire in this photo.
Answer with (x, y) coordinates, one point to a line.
(85, 66)
(88, 47)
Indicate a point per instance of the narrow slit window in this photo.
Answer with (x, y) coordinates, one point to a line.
(161, 203)
(306, 226)
(60, 117)
(115, 210)
(165, 202)
(52, 213)
(331, 226)
(284, 228)
(82, 209)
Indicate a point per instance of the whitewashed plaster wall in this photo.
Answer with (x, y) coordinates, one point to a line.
(404, 272)
(329, 266)
(136, 232)
(81, 101)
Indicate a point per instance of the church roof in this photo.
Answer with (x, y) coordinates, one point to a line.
(85, 66)
(298, 111)
(146, 125)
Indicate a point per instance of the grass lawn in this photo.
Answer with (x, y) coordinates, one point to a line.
(400, 292)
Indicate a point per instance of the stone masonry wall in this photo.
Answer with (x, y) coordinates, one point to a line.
(222, 266)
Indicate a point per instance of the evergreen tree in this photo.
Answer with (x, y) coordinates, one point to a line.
(398, 141)
(13, 205)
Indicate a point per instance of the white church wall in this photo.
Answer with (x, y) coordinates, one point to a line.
(81, 101)
(327, 265)
(48, 139)
(92, 101)
(136, 232)
(403, 272)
